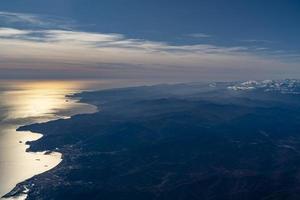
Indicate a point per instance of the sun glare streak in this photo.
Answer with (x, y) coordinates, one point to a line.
(36, 99)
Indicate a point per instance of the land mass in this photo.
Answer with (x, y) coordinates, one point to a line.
(182, 141)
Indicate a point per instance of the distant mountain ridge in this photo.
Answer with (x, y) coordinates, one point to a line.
(287, 86)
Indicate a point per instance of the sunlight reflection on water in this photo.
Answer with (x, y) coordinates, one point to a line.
(25, 103)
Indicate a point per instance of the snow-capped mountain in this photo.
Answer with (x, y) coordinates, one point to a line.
(287, 86)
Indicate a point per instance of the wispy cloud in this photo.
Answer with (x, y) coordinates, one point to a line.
(255, 41)
(25, 20)
(101, 41)
(199, 35)
(11, 17)
(11, 33)
(93, 55)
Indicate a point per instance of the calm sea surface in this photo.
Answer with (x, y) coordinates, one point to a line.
(29, 102)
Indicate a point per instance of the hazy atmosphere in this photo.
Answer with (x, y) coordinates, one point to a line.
(169, 40)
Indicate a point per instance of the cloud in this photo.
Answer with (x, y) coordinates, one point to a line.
(101, 41)
(59, 53)
(255, 41)
(24, 20)
(11, 17)
(10, 32)
(199, 35)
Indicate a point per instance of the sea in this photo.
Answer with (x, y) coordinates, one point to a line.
(28, 102)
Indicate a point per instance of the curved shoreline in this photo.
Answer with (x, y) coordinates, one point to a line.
(20, 193)
(21, 190)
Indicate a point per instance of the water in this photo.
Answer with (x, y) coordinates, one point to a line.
(25, 103)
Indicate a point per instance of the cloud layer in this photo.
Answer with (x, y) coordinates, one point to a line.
(59, 53)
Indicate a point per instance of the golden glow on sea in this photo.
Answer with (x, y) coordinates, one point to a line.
(35, 99)
(24, 102)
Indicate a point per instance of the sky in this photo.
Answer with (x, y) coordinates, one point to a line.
(181, 40)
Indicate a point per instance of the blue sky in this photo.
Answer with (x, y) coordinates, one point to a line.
(191, 39)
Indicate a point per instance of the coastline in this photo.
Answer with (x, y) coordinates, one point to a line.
(82, 97)
(21, 190)
(105, 100)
